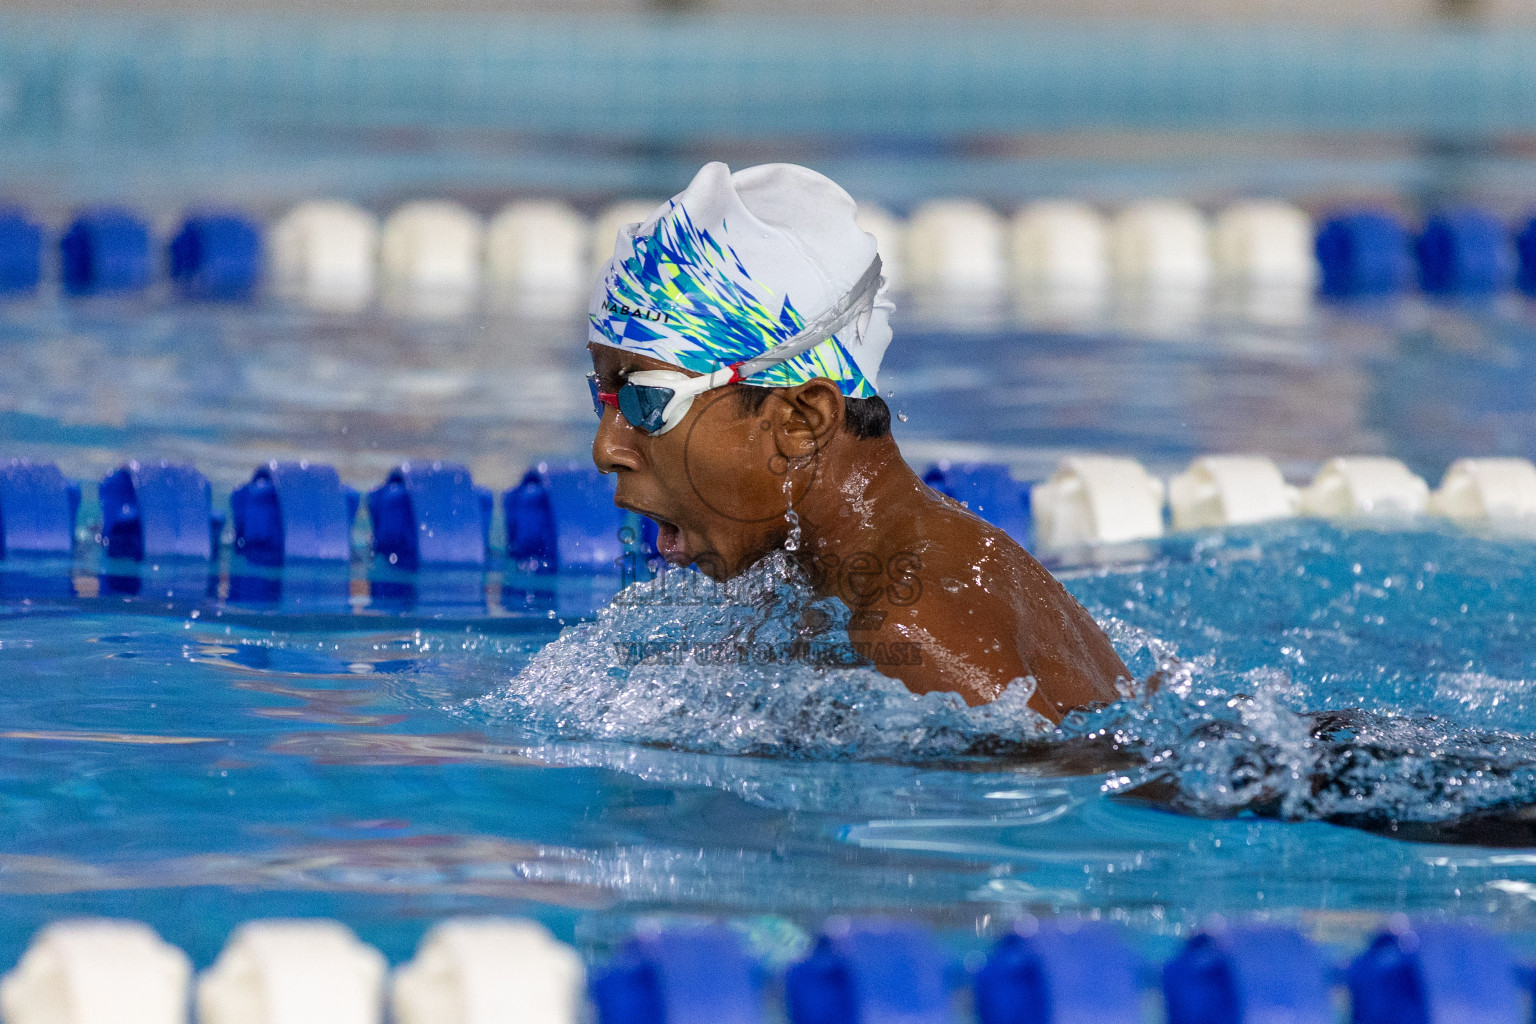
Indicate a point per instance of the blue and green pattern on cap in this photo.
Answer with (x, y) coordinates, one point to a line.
(685, 298)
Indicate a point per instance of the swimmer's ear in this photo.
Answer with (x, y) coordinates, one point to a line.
(809, 416)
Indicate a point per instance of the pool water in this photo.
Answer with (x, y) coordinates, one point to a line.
(196, 760)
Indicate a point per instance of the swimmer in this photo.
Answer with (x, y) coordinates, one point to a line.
(736, 336)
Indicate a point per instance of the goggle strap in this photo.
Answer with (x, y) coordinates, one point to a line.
(840, 315)
(600, 397)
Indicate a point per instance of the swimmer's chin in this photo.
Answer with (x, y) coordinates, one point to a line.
(720, 567)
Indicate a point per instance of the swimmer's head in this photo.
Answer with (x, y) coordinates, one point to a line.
(748, 314)
(737, 264)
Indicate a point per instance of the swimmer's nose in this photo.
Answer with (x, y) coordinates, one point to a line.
(612, 449)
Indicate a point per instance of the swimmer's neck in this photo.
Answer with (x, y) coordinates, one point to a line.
(861, 500)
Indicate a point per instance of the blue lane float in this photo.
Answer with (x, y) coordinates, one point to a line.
(561, 518)
(1054, 975)
(21, 253)
(1248, 976)
(294, 511)
(159, 510)
(1465, 251)
(216, 256)
(38, 508)
(695, 976)
(1366, 252)
(105, 250)
(873, 972)
(1525, 252)
(987, 489)
(1436, 973)
(431, 514)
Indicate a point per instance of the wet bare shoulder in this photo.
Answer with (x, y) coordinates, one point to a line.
(986, 596)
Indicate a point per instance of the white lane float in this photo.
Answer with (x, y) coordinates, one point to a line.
(1264, 243)
(432, 246)
(1160, 243)
(1059, 245)
(97, 972)
(293, 972)
(325, 254)
(489, 972)
(1096, 499)
(1500, 492)
(956, 245)
(1229, 490)
(537, 245)
(1365, 486)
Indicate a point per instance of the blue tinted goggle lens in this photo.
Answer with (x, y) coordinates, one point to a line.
(641, 404)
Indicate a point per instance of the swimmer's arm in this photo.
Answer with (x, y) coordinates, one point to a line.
(1074, 662)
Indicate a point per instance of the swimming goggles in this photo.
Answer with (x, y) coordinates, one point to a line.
(655, 401)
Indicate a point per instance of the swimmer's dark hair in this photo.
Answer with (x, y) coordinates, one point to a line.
(866, 418)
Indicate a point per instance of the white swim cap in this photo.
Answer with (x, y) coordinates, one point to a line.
(737, 263)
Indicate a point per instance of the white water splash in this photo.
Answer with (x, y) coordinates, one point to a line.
(756, 666)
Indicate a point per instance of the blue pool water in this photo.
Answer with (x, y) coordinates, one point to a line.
(197, 761)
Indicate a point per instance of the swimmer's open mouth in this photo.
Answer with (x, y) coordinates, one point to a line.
(669, 539)
(669, 543)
